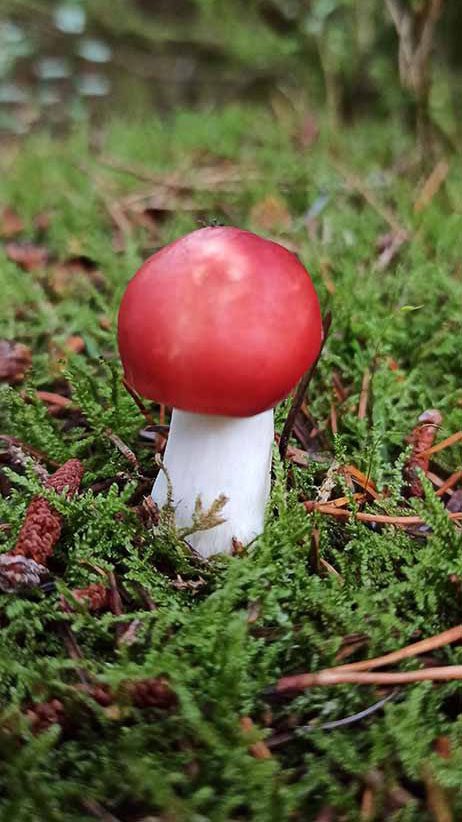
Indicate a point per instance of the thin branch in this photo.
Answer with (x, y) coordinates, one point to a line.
(97, 810)
(455, 477)
(139, 402)
(364, 395)
(301, 391)
(443, 444)
(356, 184)
(123, 448)
(300, 682)
(421, 647)
(332, 511)
(73, 650)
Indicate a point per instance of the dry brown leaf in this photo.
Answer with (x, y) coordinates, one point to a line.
(10, 223)
(42, 221)
(15, 359)
(104, 322)
(271, 214)
(75, 344)
(27, 255)
(66, 277)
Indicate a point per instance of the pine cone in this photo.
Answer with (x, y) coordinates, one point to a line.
(44, 714)
(42, 524)
(39, 533)
(101, 693)
(69, 476)
(96, 597)
(154, 692)
(17, 571)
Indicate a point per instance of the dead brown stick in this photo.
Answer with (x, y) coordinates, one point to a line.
(455, 477)
(364, 395)
(40, 455)
(74, 651)
(421, 647)
(339, 502)
(123, 448)
(139, 402)
(301, 390)
(98, 811)
(431, 186)
(333, 419)
(20, 457)
(116, 605)
(332, 511)
(300, 682)
(203, 178)
(362, 480)
(355, 183)
(53, 399)
(438, 801)
(443, 444)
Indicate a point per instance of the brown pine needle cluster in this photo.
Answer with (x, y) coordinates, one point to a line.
(26, 563)
(42, 524)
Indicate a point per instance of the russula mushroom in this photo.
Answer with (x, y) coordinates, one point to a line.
(219, 325)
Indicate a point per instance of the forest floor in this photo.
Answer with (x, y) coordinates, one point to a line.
(153, 694)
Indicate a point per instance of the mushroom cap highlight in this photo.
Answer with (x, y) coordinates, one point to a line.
(219, 322)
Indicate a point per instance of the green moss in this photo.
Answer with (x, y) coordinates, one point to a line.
(266, 613)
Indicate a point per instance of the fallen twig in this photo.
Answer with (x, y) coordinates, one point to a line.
(29, 449)
(416, 648)
(364, 395)
(299, 682)
(362, 480)
(359, 672)
(355, 183)
(437, 797)
(455, 477)
(53, 399)
(98, 811)
(18, 456)
(139, 402)
(333, 419)
(443, 444)
(431, 185)
(332, 511)
(123, 448)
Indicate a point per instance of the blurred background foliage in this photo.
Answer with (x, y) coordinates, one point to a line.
(61, 59)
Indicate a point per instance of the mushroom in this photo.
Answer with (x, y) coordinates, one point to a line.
(219, 325)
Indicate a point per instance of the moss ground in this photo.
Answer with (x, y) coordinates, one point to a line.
(224, 632)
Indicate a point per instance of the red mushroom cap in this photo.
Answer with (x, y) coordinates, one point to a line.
(219, 322)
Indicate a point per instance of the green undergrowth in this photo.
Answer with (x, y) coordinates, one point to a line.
(224, 631)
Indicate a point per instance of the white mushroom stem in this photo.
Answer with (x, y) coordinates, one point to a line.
(208, 456)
